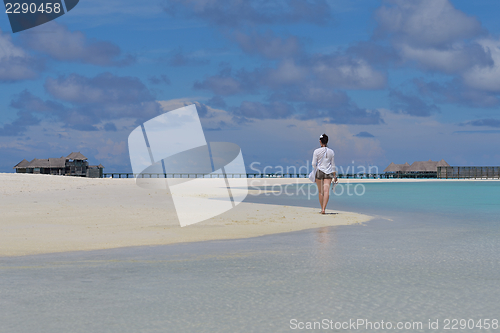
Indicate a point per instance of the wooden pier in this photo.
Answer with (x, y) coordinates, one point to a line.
(468, 172)
(235, 175)
(449, 172)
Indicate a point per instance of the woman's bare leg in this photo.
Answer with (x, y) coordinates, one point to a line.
(326, 193)
(319, 183)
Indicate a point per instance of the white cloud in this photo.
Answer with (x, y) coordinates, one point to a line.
(268, 44)
(61, 44)
(105, 88)
(8, 49)
(287, 73)
(409, 139)
(486, 78)
(454, 59)
(349, 74)
(212, 119)
(294, 138)
(433, 34)
(15, 63)
(426, 23)
(109, 149)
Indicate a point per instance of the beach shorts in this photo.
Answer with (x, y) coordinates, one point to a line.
(321, 175)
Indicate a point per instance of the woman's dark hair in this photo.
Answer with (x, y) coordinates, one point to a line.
(324, 139)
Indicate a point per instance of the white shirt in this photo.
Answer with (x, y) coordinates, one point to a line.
(326, 162)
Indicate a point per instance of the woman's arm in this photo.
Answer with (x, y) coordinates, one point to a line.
(314, 160)
(334, 167)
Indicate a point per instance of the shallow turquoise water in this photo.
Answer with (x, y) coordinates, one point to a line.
(482, 197)
(432, 253)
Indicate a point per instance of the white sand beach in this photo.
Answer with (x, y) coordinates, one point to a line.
(46, 214)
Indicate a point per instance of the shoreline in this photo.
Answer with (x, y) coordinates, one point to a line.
(52, 214)
(284, 181)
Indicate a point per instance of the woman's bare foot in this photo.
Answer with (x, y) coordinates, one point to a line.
(322, 212)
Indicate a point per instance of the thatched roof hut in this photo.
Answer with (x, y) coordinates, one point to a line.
(427, 166)
(75, 164)
(47, 163)
(397, 167)
(21, 165)
(418, 166)
(442, 163)
(76, 157)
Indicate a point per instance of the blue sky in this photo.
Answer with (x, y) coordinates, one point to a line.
(388, 81)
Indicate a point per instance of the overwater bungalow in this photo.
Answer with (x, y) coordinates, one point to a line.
(418, 169)
(75, 164)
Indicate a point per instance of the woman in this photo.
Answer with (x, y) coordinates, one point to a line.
(325, 172)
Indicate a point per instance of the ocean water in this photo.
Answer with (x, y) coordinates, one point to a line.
(431, 255)
(444, 198)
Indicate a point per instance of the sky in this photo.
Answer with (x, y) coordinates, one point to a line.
(387, 81)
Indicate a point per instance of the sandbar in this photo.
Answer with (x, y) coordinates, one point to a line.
(48, 214)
